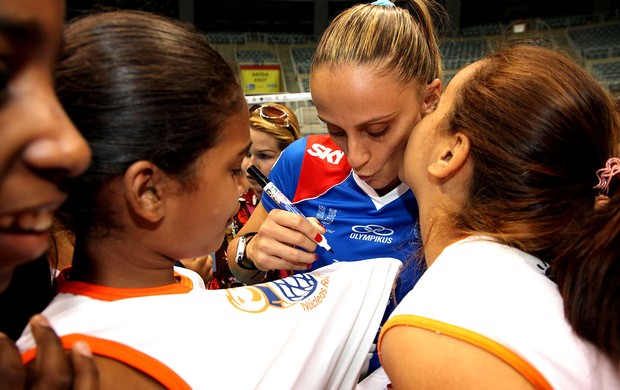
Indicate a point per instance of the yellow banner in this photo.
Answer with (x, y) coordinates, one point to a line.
(260, 78)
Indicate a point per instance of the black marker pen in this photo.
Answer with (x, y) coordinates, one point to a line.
(281, 200)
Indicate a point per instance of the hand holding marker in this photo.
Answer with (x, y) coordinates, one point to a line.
(283, 202)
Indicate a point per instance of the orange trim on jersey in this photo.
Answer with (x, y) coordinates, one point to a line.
(104, 293)
(122, 353)
(522, 366)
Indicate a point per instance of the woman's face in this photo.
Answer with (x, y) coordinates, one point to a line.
(202, 214)
(369, 116)
(39, 145)
(428, 140)
(263, 153)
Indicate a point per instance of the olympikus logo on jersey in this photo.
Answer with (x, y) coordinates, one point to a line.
(325, 153)
(374, 233)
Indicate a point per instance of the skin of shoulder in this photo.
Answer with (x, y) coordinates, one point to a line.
(443, 362)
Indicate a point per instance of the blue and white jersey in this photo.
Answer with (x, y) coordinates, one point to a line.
(315, 174)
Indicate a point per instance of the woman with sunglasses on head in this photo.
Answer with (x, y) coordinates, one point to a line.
(273, 127)
(375, 73)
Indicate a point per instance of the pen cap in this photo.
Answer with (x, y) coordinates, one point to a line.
(257, 175)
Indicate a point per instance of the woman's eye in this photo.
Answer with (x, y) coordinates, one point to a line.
(335, 131)
(336, 134)
(377, 134)
(238, 172)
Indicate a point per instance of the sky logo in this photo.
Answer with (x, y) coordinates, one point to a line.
(325, 153)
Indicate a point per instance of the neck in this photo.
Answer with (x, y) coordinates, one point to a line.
(114, 263)
(436, 226)
(439, 204)
(433, 243)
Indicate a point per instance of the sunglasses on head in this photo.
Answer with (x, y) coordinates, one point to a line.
(271, 114)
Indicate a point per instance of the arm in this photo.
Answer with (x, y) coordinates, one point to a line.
(113, 372)
(415, 358)
(275, 246)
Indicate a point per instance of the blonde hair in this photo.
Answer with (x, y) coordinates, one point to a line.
(401, 41)
(284, 134)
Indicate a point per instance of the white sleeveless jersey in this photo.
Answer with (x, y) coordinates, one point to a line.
(498, 298)
(308, 331)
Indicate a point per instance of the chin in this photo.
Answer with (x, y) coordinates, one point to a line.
(215, 245)
(21, 248)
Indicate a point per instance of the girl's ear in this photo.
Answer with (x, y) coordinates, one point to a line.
(144, 190)
(451, 157)
(432, 93)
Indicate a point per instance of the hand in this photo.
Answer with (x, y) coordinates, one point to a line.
(203, 266)
(53, 368)
(279, 239)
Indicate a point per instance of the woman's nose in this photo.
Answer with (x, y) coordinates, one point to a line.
(357, 154)
(58, 145)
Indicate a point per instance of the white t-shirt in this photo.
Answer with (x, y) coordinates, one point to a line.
(308, 331)
(498, 298)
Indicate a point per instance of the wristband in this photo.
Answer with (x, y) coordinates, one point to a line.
(240, 256)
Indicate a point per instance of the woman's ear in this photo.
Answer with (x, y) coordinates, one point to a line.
(432, 93)
(451, 158)
(143, 182)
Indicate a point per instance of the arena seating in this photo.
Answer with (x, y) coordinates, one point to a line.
(608, 73)
(457, 53)
(595, 42)
(592, 41)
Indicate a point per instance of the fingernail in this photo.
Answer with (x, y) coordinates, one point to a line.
(318, 238)
(316, 257)
(83, 349)
(41, 320)
(321, 225)
(308, 266)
